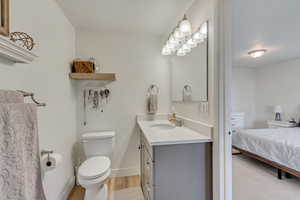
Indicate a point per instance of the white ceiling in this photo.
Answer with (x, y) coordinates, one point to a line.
(270, 24)
(147, 16)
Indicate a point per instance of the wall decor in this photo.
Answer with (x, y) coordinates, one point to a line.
(4, 17)
(22, 39)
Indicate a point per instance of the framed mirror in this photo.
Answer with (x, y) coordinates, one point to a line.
(189, 73)
(4, 17)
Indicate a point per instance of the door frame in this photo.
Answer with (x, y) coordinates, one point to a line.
(222, 178)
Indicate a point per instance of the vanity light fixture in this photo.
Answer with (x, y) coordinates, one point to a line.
(257, 53)
(182, 40)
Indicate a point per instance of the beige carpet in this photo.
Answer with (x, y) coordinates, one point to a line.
(128, 194)
(253, 180)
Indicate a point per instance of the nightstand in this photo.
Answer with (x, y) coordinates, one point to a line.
(281, 124)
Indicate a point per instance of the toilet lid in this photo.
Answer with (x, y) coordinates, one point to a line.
(94, 167)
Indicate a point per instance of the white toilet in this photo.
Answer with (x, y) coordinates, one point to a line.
(93, 172)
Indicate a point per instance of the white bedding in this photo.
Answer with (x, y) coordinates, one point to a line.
(280, 145)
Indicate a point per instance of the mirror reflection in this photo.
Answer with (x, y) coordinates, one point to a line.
(189, 70)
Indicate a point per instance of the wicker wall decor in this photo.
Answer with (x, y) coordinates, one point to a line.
(22, 39)
(83, 67)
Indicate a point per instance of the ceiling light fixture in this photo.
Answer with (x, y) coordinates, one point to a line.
(182, 40)
(257, 53)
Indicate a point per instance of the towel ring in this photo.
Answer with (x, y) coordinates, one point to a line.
(27, 94)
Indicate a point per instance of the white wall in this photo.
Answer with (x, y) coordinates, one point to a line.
(257, 90)
(48, 78)
(199, 12)
(244, 94)
(137, 61)
(278, 84)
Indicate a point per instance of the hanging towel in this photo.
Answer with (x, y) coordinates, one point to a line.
(20, 170)
(10, 96)
(152, 103)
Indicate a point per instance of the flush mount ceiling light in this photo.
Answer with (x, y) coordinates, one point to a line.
(257, 53)
(181, 41)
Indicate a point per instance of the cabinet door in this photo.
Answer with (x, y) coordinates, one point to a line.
(146, 174)
(143, 179)
(148, 171)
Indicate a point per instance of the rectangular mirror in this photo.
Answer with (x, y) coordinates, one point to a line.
(189, 73)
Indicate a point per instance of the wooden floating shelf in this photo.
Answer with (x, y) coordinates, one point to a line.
(93, 76)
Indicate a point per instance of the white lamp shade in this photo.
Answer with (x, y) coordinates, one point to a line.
(170, 46)
(173, 40)
(191, 43)
(181, 54)
(178, 34)
(198, 37)
(186, 27)
(165, 51)
(186, 48)
(203, 29)
(277, 109)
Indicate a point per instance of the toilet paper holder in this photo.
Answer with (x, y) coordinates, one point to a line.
(47, 152)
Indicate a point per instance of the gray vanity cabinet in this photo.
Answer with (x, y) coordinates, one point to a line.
(176, 172)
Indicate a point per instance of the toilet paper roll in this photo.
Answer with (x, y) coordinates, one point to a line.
(51, 162)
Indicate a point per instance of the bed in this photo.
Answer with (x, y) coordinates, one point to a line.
(279, 147)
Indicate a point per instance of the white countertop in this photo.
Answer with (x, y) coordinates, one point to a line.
(178, 135)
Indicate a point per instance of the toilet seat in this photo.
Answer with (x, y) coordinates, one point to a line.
(94, 168)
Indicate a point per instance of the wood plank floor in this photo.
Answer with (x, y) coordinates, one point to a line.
(113, 184)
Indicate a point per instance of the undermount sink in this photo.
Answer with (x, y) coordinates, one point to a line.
(162, 127)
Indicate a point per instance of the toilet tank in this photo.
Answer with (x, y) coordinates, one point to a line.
(98, 143)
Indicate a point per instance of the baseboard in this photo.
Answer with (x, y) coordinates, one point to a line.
(121, 172)
(67, 189)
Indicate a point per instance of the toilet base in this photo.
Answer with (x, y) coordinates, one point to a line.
(96, 193)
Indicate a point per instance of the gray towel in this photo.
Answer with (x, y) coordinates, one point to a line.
(152, 103)
(10, 96)
(20, 170)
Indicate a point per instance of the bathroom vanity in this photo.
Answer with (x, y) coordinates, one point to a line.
(176, 162)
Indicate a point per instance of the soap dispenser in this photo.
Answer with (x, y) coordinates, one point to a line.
(172, 116)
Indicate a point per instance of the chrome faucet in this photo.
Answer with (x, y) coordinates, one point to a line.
(176, 121)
